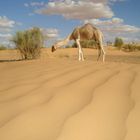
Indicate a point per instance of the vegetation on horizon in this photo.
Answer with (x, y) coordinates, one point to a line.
(29, 43)
(129, 47)
(2, 47)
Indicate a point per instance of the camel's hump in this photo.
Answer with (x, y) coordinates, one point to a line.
(86, 32)
(89, 25)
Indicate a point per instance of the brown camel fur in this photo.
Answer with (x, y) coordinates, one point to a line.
(86, 32)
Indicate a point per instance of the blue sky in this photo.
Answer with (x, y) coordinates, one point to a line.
(57, 18)
(129, 10)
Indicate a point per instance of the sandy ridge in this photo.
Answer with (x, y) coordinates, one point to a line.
(60, 98)
(71, 82)
(65, 132)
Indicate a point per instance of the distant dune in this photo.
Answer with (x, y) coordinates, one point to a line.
(57, 97)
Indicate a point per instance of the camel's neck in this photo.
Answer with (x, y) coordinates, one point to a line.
(63, 42)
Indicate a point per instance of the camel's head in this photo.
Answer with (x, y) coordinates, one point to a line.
(53, 48)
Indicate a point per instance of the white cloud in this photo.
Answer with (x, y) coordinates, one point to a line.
(5, 39)
(31, 14)
(5, 30)
(33, 4)
(50, 32)
(98, 22)
(72, 9)
(127, 37)
(8, 36)
(94, 1)
(5, 22)
(123, 28)
(75, 9)
(113, 25)
(26, 4)
(116, 27)
(6, 27)
(37, 3)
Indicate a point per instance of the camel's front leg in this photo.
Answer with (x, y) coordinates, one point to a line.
(101, 48)
(80, 52)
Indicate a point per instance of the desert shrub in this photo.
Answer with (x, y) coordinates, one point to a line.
(118, 42)
(29, 43)
(2, 47)
(131, 47)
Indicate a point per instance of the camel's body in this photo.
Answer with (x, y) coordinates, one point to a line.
(86, 32)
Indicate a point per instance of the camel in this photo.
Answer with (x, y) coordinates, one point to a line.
(85, 32)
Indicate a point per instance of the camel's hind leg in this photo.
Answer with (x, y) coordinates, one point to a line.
(103, 55)
(80, 52)
(99, 53)
(101, 50)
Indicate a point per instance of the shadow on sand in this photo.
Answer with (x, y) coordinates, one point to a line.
(14, 60)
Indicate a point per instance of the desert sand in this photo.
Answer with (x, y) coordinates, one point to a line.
(57, 97)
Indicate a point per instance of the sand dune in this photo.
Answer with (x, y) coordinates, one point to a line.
(58, 98)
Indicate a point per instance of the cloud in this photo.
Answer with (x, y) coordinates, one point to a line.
(94, 1)
(5, 39)
(5, 36)
(112, 21)
(77, 9)
(6, 23)
(5, 30)
(26, 4)
(31, 14)
(123, 28)
(37, 3)
(127, 37)
(116, 27)
(113, 25)
(50, 32)
(34, 4)
(6, 27)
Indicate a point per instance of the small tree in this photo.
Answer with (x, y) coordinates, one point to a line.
(29, 43)
(118, 42)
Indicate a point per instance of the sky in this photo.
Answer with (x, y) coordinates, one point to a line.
(58, 18)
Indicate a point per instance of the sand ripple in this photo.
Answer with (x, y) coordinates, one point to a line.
(68, 100)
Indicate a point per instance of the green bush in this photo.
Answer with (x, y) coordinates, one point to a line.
(29, 43)
(118, 42)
